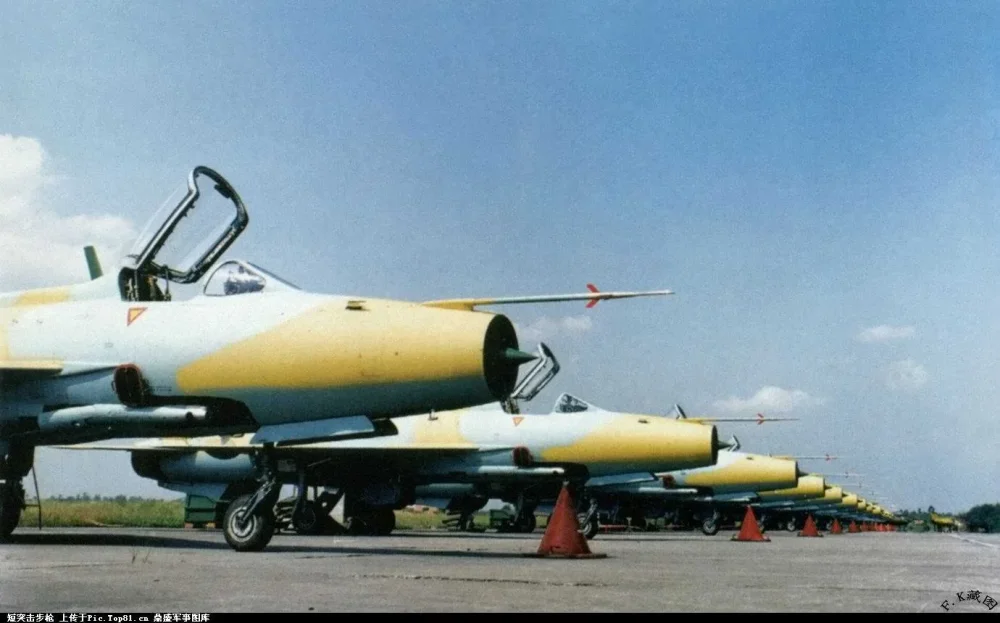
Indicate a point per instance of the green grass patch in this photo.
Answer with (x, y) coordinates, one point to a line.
(111, 513)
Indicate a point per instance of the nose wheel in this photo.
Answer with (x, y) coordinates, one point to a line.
(249, 521)
(246, 529)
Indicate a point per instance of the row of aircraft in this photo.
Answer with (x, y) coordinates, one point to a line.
(627, 469)
(252, 384)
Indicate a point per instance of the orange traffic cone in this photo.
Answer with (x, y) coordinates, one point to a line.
(835, 528)
(853, 527)
(810, 528)
(749, 530)
(562, 536)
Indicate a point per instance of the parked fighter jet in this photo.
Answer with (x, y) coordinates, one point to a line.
(465, 456)
(708, 495)
(119, 357)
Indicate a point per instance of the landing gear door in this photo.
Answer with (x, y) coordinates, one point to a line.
(186, 237)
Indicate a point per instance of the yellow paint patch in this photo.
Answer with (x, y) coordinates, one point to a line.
(517, 420)
(833, 495)
(329, 346)
(41, 365)
(758, 471)
(6, 315)
(443, 429)
(459, 304)
(808, 487)
(628, 440)
(46, 296)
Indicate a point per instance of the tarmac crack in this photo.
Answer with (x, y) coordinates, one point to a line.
(448, 578)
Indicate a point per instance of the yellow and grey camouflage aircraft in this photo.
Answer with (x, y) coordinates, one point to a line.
(118, 356)
(465, 457)
(709, 495)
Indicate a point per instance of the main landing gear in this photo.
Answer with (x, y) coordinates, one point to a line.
(15, 463)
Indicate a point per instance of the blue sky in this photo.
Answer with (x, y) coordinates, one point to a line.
(798, 172)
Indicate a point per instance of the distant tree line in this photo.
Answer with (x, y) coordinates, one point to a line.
(86, 497)
(982, 518)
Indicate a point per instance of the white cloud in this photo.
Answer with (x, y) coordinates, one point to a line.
(905, 375)
(37, 246)
(884, 333)
(546, 328)
(769, 399)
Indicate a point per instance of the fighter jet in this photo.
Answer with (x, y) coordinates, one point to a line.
(463, 456)
(707, 495)
(121, 356)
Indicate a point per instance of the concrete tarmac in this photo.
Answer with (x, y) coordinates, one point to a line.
(104, 570)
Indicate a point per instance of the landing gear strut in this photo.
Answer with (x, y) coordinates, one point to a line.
(249, 522)
(588, 520)
(15, 463)
(524, 515)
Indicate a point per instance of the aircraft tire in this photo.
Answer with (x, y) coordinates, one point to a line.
(791, 525)
(526, 524)
(10, 511)
(709, 526)
(383, 522)
(467, 523)
(257, 533)
(360, 525)
(309, 520)
(588, 528)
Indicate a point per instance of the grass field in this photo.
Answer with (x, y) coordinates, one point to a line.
(170, 514)
(132, 513)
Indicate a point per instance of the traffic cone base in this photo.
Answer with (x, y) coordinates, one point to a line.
(749, 530)
(562, 538)
(809, 529)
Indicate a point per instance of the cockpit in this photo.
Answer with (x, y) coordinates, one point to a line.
(186, 237)
(239, 277)
(567, 403)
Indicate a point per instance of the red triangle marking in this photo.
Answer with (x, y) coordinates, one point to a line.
(133, 314)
